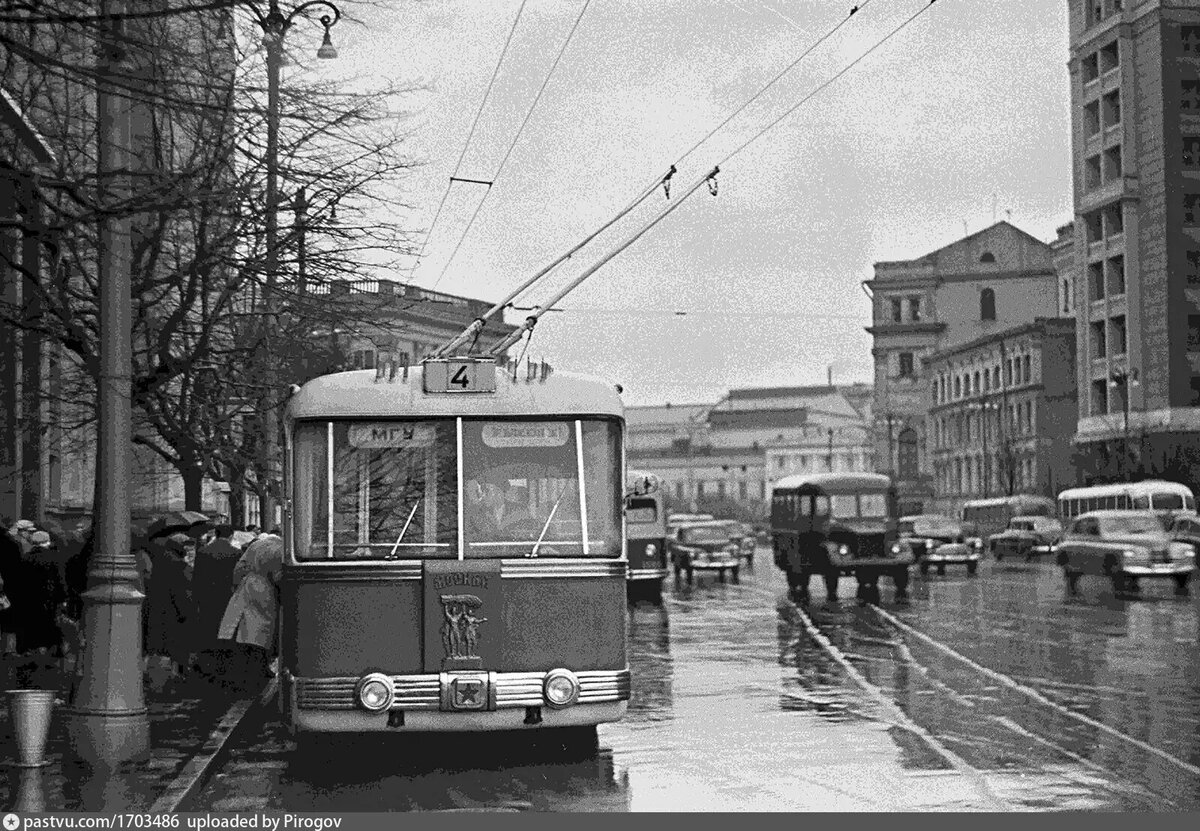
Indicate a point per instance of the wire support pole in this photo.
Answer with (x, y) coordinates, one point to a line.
(477, 326)
(532, 320)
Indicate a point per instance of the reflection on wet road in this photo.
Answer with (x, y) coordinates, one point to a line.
(737, 706)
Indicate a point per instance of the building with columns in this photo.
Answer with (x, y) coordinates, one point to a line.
(983, 284)
(1000, 415)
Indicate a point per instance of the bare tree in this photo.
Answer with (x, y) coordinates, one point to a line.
(198, 167)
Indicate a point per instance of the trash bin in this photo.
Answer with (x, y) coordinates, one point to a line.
(29, 712)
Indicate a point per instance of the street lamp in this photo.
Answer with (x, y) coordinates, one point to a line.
(275, 26)
(1124, 379)
(891, 419)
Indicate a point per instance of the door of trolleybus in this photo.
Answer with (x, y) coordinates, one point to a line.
(455, 558)
(645, 532)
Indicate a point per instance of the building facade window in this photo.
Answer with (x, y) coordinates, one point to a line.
(897, 310)
(914, 309)
(987, 257)
(1193, 268)
(1115, 268)
(906, 366)
(1116, 335)
(1191, 152)
(1189, 37)
(363, 359)
(1110, 110)
(1191, 209)
(987, 304)
(1028, 361)
(1189, 95)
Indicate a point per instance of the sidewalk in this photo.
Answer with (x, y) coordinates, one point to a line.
(189, 720)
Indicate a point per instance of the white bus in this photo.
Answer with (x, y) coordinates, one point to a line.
(1164, 498)
(991, 516)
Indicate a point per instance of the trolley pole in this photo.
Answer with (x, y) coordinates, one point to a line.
(109, 721)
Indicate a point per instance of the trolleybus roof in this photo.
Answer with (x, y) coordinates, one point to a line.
(366, 394)
(840, 481)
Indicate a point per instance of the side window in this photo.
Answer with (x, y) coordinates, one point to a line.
(805, 506)
(987, 304)
(821, 505)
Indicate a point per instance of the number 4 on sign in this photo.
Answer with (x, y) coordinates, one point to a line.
(461, 379)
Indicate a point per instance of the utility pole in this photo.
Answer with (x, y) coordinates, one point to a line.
(109, 721)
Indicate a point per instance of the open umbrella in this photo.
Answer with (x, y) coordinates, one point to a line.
(191, 523)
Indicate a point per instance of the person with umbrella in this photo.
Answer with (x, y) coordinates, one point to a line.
(250, 619)
(170, 609)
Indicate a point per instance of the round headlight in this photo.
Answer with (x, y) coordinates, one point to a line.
(1128, 553)
(374, 692)
(843, 550)
(896, 549)
(651, 550)
(561, 688)
(931, 544)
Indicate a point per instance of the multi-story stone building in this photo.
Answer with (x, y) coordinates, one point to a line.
(981, 285)
(1000, 415)
(1135, 142)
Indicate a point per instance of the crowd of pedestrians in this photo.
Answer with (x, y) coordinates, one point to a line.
(210, 607)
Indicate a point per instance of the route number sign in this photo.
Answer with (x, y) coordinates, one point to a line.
(460, 375)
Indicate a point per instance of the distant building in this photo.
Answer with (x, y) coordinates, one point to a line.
(983, 284)
(1135, 146)
(735, 449)
(1000, 414)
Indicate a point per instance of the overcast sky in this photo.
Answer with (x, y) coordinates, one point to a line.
(957, 120)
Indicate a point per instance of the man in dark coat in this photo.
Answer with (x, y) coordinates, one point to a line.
(169, 598)
(212, 586)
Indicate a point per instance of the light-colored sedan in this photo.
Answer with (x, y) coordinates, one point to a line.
(1125, 547)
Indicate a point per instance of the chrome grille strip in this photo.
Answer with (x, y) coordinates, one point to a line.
(533, 567)
(423, 692)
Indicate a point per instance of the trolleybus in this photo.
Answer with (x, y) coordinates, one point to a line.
(454, 552)
(645, 532)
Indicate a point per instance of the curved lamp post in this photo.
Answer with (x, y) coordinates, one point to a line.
(275, 26)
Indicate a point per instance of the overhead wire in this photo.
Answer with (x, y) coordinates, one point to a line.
(711, 176)
(828, 81)
(466, 144)
(513, 144)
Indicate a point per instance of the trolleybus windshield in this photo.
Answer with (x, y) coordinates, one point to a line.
(394, 489)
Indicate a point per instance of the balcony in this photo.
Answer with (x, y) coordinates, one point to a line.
(1123, 187)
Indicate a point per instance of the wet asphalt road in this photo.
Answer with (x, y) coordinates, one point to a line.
(1018, 697)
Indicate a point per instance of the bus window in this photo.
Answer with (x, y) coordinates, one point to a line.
(1141, 502)
(821, 505)
(1167, 501)
(873, 505)
(845, 506)
(806, 506)
(1189, 503)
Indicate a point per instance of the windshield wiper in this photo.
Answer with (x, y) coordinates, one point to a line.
(404, 530)
(533, 552)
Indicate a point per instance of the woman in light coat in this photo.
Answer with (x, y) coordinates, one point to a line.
(251, 617)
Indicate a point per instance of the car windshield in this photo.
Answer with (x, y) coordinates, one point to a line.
(1021, 525)
(1133, 524)
(706, 534)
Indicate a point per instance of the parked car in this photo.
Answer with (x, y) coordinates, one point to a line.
(938, 541)
(1125, 547)
(1025, 535)
(747, 541)
(703, 546)
(1186, 529)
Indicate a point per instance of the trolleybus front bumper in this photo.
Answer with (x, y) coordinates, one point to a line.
(470, 700)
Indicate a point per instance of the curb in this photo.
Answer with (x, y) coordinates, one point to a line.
(195, 773)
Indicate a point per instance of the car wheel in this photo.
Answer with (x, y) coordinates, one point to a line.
(831, 584)
(1181, 583)
(924, 568)
(941, 570)
(971, 567)
(733, 575)
(1072, 580)
(900, 578)
(1118, 581)
(1131, 584)
(689, 575)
